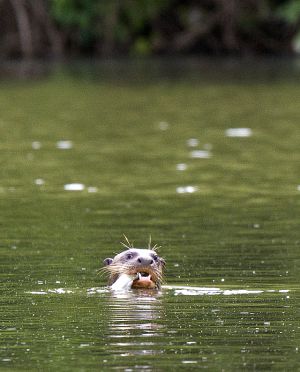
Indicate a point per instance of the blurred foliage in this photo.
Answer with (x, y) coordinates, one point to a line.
(31, 28)
(77, 16)
(122, 22)
(290, 11)
(168, 26)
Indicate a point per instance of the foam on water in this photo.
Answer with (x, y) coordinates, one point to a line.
(192, 142)
(163, 125)
(36, 145)
(39, 182)
(238, 132)
(181, 167)
(177, 290)
(64, 144)
(74, 187)
(200, 154)
(92, 189)
(186, 189)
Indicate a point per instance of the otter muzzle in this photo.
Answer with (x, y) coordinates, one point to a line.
(143, 280)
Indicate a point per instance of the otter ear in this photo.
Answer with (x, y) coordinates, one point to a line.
(107, 261)
(163, 262)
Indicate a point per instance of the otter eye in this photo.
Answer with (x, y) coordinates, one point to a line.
(129, 256)
(155, 258)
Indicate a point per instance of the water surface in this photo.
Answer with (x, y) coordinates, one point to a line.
(227, 218)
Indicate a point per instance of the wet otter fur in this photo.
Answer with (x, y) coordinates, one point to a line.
(135, 268)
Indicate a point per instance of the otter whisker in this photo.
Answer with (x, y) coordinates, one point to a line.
(156, 247)
(161, 280)
(128, 242)
(124, 245)
(117, 268)
(102, 271)
(149, 244)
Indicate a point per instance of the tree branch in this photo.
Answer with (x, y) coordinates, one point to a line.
(24, 29)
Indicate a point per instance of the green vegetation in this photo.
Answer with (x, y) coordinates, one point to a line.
(113, 27)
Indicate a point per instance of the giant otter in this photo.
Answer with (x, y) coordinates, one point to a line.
(135, 268)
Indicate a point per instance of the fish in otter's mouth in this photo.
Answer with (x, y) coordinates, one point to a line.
(135, 268)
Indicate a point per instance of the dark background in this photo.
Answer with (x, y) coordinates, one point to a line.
(57, 29)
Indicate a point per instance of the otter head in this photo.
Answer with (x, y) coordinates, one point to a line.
(143, 266)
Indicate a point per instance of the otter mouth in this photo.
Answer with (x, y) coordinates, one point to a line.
(143, 274)
(144, 280)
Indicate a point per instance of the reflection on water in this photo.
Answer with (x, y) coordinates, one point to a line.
(184, 325)
(133, 320)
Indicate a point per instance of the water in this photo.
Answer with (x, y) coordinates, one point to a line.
(230, 236)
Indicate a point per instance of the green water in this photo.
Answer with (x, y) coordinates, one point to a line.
(238, 230)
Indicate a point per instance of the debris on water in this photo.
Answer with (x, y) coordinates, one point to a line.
(192, 142)
(238, 132)
(200, 154)
(181, 167)
(39, 182)
(298, 187)
(74, 187)
(64, 144)
(186, 189)
(36, 145)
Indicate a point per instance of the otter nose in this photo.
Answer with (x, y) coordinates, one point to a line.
(145, 261)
